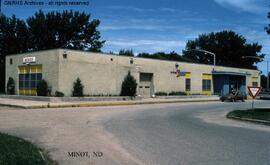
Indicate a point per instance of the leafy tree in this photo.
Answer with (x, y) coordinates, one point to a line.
(129, 86)
(124, 52)
(73, 30)
(69, 29)
(268, 28)
(173, 56)
(264, 81)
(14, 37)
(42, 88)
(77, 88)
(229, 48)
(11, 86)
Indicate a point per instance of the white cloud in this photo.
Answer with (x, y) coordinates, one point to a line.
(253, 6)
(149, 45)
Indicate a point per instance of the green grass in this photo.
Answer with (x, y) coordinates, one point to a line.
(259, 114)
(16, 151)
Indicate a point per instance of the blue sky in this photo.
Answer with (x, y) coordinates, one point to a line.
(166, 25)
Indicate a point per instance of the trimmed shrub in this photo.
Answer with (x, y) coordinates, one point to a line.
(177, 93)
(161, 94)
(11, 86)
(42, 88)
(59, 94)
(129, 86)
(77, 88)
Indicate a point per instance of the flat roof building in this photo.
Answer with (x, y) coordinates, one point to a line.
(103, 74)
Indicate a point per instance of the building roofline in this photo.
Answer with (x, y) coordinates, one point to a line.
(115, 55)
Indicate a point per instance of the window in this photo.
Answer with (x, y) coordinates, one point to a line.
(10, 61)
(188, 84)
(255, 84)
(206, 85)
(29, 76)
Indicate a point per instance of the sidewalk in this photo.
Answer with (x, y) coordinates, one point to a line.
(29, 104)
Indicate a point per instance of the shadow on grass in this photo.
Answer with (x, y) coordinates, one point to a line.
(16, 151)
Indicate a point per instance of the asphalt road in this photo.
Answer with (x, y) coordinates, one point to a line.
(160, 134)
(180, 135)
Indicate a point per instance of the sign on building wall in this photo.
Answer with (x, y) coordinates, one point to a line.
(29, 60)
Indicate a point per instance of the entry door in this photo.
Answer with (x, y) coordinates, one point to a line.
(145, 89)
(146, 84)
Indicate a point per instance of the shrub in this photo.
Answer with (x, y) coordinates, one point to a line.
(77, 88)
(177, 93)
(161, 94)
(59, 94)
(129, 86)
(42, 88)
(11, 86)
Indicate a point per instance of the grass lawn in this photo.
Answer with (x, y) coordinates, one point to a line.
(259, 114)
(16, 151)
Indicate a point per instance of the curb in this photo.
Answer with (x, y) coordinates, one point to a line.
(105, 104)
(250, 120)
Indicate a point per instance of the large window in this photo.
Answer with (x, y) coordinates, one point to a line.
(255, 84)
(188, 85)
(206, 85)
(29, 76)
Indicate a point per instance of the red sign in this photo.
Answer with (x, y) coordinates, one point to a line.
(254, 91)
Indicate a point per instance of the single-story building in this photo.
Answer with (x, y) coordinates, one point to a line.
(103, 74)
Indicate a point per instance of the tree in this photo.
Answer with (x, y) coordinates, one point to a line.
(129, 86)
(77, 88)
(264, 81)
(14, 38)
(268, 28)
(73, 30)
(42, 88)
(172, 56)
(124, 52)
(229, 48)
(11, 86)
(68, 29)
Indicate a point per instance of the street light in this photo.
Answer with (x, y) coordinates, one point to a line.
(204, 51)
(261, 60)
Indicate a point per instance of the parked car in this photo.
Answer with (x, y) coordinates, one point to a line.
(238, 95)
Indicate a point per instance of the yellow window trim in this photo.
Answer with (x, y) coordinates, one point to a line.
(207, 76)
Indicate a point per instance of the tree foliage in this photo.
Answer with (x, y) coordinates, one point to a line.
(77, 88)
(68, 29)
(42, 88)
(173, 56)
(11, 86)
(268, 27)
(129, 86)
(55, 29)
(229, 48)
(124, 52)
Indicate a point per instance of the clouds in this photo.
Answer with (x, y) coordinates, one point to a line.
(253, 6)
(150, 45)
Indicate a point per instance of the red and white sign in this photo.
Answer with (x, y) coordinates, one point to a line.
(254, 91)
(29, 60)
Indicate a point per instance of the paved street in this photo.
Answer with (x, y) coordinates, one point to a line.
(165, 134)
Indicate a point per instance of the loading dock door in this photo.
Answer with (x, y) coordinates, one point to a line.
(146, 87)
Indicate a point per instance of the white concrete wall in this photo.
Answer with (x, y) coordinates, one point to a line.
(48, 60)
(100, 75)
